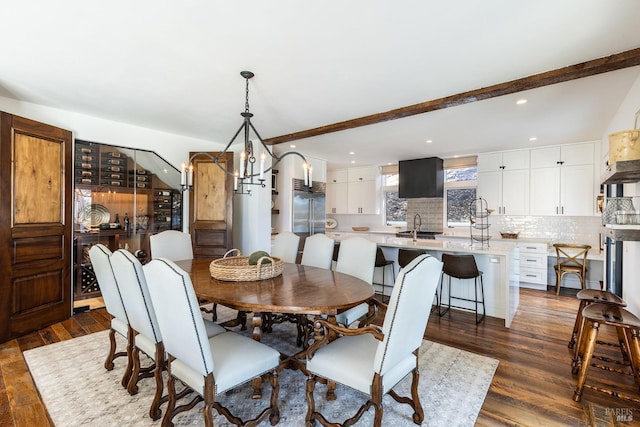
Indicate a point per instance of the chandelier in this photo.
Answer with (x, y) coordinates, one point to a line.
(247, 175)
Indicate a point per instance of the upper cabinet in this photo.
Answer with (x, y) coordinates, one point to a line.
(362, 190)
(562, 180)
(336, 192)
(353, 191)
(503, 181)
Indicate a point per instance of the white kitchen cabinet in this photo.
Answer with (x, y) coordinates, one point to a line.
(353, 191)
(362, 190)
(336, 192)
(503, 181)
(562, 180)
(533, 265)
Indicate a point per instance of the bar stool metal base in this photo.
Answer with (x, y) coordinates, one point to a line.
(476, 301)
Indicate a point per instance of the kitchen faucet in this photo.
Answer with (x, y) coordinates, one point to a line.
(416, 229)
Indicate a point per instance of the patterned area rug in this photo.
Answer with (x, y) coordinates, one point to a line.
(78, 391)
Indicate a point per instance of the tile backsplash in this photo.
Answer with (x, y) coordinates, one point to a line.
(430, 211)
(565, 229)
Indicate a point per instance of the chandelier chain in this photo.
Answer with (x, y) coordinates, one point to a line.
(246, 100)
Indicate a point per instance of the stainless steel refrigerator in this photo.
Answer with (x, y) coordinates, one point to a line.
(308, 209)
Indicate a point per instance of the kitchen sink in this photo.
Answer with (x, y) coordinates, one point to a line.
(430, 235)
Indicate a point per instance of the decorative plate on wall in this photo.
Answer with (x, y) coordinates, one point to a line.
(95, 214)
(331, 223)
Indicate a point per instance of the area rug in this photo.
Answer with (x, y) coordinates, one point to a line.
(78, 391)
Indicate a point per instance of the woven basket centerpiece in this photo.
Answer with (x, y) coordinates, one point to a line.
(237, 268)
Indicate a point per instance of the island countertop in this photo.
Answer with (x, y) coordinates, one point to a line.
(494, 248)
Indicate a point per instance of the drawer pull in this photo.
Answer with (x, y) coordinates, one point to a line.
(530, 275)
(531, 260)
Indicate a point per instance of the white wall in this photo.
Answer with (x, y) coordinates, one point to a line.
(173, 148)
(252, 222)
(623, 120)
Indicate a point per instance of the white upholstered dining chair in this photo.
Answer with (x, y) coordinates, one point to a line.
(373, 360)
(147, 338)
(99, 255)
(356, 257)
(208, 366)
(171, 244)
(318, 251)
(285, 246)
(177, 246)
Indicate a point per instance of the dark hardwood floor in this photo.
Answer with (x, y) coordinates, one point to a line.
(533, 385)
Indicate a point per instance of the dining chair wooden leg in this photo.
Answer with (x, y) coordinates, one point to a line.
(154, 411)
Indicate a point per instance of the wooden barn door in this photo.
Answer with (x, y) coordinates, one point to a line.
(35, 225)
(211, 206)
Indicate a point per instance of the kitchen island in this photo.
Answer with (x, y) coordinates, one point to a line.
(499, 263)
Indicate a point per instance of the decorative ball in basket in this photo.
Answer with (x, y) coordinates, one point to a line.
(258, 266)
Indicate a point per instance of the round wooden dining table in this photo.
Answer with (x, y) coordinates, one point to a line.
(299, 290)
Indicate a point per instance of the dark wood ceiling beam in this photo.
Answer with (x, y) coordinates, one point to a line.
(606, 64)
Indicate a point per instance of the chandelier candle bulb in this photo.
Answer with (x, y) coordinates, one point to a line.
(306, 174)
(310, 180)
(190, 175)
(243, 156)
(263, 157)
(183, 176)
(235, 181)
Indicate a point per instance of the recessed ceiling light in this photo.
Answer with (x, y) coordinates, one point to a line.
(292, 146)
(353, 161)
(352, 152)
(521, 101)
(429, 141)
(533, 138)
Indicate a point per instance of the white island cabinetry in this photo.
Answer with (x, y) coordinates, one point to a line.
(499, 264)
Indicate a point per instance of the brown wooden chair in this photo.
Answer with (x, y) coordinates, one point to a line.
(627, 326)
(571, 259)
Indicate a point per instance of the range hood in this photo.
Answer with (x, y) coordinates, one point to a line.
(421, 178)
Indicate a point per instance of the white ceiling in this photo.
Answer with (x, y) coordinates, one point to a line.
(174, 66)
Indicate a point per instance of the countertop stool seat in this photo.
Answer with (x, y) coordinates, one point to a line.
(382, 262)
(405, 256)
(586, 298)
(627, 326)
(462, 267)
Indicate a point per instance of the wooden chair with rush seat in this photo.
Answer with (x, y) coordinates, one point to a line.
(571, 259)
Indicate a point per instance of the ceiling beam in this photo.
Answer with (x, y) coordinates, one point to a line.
(629, 58)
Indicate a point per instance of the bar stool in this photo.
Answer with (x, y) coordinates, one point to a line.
(405, 256)
(626, 325)
(587, 297)
(462, 267)
(382, 262)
